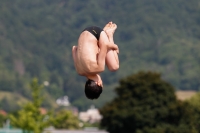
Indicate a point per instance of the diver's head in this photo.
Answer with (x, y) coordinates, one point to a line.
(92, 89)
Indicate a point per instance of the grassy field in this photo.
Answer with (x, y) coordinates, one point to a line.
(183, 95)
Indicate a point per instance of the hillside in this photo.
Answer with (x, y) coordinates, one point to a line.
(36, 39)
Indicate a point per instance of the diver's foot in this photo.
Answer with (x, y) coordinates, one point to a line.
(110, 28)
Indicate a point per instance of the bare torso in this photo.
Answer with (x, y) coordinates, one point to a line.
(86, 54)
(91, 55)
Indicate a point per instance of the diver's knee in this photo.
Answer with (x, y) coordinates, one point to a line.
(114, 68)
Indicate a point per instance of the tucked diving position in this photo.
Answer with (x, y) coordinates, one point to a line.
(95, 49)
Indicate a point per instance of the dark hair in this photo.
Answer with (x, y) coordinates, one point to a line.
(92, 90)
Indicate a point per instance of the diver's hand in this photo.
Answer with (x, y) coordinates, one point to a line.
(113, 47)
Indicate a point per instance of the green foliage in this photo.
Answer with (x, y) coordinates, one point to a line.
(195, 100)
(147, 104)
(92, 125)
(65, 119)
(29, 118)
(3, 119)
(7, 99)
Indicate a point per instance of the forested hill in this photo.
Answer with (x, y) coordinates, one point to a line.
(36, 37)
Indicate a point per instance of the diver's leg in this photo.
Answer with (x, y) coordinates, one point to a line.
(112, 60)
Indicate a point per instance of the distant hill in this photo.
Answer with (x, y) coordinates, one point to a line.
(36, 39)
(12, 101)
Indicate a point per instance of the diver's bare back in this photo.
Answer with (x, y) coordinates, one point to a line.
(87, 51)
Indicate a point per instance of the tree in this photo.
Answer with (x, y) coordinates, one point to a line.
(2, 119)
(147, 104)
(65, 119)
(30, 118)
(195, 100)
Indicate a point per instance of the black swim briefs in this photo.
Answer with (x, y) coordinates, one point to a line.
(94, 30)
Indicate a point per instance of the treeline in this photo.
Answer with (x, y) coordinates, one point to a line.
(145, 103)
(36, 39)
